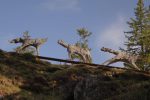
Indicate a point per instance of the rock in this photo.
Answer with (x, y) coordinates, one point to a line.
(93, 88)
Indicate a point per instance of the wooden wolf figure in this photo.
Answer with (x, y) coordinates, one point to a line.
(73, 49)
(27, 41)
(121, 56)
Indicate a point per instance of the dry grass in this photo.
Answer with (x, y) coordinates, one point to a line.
(22, 77)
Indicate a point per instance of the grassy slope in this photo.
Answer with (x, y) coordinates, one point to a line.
(22, 77)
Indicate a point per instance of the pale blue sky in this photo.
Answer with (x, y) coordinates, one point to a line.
(59, 19)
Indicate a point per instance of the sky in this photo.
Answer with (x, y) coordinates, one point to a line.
(59, 19)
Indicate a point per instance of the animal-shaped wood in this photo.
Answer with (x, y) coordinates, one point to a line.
(121, 56)
(73, 49)
(26, 42)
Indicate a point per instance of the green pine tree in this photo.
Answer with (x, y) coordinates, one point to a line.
(138, 37)
(84, 35)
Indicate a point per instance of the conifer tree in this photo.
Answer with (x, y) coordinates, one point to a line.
(138, 38)
(84, 35)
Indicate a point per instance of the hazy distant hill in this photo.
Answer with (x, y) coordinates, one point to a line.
(23, 78)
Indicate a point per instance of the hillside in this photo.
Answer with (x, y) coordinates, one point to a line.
(22, 77)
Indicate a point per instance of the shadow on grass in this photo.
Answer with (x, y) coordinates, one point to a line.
(44, 81)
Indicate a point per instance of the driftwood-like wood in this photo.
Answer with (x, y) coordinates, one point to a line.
(121, 56)
(84, 53)
(27, 41)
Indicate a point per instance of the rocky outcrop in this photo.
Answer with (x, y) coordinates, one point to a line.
(91, 88)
